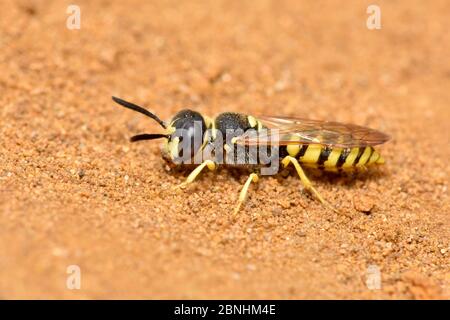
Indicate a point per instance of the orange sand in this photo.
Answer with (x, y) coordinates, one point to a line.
(74, 191)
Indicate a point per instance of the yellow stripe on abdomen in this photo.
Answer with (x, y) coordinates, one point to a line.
(351, 158)
(365, 156)
(312, 154)
(333, 158)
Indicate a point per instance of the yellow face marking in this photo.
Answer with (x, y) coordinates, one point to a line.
(351, 158)
(165, 146)
(312, 154)
(172, 146)
(365, 156)
(333, 158)
(252, 121)
(170, 129)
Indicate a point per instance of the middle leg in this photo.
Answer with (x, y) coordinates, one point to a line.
(243, 195)
(207, 163)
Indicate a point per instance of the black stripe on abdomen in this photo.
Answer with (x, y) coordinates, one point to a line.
(302, 151)
(324, 154)
(360, 153)
(343, 157)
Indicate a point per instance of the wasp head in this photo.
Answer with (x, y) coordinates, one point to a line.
(184, 135)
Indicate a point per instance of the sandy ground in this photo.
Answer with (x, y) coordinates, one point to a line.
(74, 191)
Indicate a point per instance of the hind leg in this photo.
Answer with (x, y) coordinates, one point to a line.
(306, 182)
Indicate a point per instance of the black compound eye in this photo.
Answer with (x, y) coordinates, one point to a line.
(189, 128)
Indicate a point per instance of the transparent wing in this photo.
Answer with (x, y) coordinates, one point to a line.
(292, 130)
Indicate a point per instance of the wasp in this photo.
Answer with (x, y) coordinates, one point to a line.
(324, 145)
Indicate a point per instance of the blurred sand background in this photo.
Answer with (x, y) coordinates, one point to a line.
(74, 191)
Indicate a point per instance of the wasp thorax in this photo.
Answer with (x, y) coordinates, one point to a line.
(186, 131)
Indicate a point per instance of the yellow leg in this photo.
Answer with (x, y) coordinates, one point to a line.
(191, 177)
(304, 179)
(243, 195)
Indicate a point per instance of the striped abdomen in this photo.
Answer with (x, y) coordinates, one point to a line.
(333, 159)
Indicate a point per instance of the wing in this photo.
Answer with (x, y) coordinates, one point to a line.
(292, 130)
